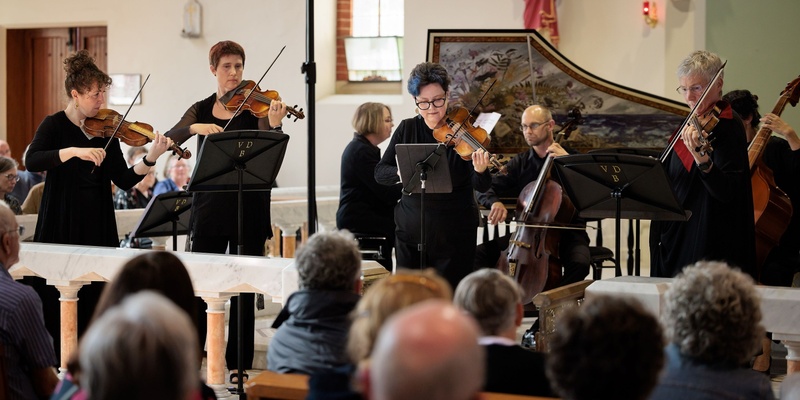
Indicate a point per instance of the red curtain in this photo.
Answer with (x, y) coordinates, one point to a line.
(541, 15)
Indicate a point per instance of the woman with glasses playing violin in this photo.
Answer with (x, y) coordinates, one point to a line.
(8, 179)
(451, 219)
(714, 184)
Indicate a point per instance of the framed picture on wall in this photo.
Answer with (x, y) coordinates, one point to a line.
(523, 69)
(124, 88)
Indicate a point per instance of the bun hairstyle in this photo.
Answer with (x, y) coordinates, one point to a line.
(745, 104)
(82, 73)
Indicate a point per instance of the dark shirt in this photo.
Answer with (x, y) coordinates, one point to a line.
(311, 332)
(365, 206)
(721, 226)
(13, 204)
(27, 343)
(515, 370)
(785, 166)
(451, 219)
(77, 204)
(131, 198)
(215, 213)
(686, 379)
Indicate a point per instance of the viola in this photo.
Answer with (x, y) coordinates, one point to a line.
(257, 103)
(104, 125)
(542, 210)
(705, 124)
(456, 130)
(771, 206)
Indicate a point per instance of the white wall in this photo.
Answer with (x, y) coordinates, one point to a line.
(607, 38)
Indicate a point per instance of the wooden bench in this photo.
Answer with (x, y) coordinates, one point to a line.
(270, 385)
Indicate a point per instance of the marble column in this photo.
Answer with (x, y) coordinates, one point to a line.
(215, 342)
(792, 355)
(69, 322)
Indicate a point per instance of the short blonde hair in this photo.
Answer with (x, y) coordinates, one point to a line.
(368, 118)
(385, 298)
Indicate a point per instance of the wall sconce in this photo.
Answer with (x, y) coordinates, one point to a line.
(649, 12)
(192, 14)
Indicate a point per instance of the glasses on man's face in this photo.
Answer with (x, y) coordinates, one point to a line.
(694, 89)
(20, 230)
(424, 105)
(531, 127)
(12, 177)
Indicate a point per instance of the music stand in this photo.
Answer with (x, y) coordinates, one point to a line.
(239, 161)
(617, 185)
(421, 172)
(165, 215)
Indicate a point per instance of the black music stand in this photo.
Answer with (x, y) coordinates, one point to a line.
(617, 185)
(165, 215)
(239, 161)
(421, 172)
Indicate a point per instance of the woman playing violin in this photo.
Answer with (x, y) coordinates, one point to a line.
(714, 185)
(77, 206)
(451, 219)
(214, 215)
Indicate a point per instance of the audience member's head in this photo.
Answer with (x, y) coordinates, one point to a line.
(144, 348)
(609, 348)
(135, 154)
(5, 149)
(493, 299)
(427, 351)
(745, 104)
(9, 237)
(329, 261)
(159, 271)
(712, 313)
(8, 175)
(385, 298)
(177, 169)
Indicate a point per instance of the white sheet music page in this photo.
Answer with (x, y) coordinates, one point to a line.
(487, 121)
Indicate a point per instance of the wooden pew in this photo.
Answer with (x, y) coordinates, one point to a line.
(270, 385)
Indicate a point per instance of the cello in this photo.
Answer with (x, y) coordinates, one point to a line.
(771, 206)
(542, 209)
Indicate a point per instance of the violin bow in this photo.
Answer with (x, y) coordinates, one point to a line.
(123, 117)
(235, 113)
(668, 149)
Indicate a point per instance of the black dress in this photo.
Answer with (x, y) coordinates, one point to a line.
(214, 223)
(516, 370)
(721, 227)
(451, 219)
(77, 206)
(784, 259)
(573, 245)
(365, 206)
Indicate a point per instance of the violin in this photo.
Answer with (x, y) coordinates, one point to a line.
(542, 210)
(104, 124)
(705, 124)
(456, 130)
(257, 103)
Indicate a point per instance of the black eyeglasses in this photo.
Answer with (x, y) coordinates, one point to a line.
(12, 177)
(20, 230)
(424, 105)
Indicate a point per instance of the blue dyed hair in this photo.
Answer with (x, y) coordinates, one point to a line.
(427, 73)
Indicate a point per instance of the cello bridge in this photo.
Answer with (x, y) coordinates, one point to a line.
(512, 267)
(520, 244)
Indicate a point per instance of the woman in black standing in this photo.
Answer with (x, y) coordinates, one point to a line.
(214, 219)
(451, 219)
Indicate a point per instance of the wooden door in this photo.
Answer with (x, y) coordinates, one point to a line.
(35, 75)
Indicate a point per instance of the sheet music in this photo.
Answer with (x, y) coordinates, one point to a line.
(487, 121)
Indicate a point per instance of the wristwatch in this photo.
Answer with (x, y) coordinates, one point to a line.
(705, 166)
